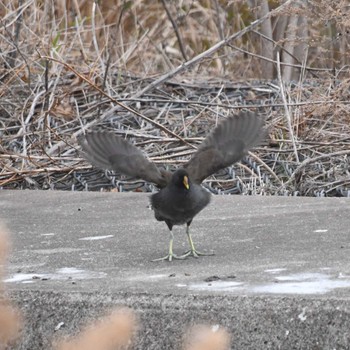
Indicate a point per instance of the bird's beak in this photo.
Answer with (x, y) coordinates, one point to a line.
(185, 182)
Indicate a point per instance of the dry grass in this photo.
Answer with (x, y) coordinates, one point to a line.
(112, 332)
(10, 323)
(10, 318)
(74, 66)
(205, 338)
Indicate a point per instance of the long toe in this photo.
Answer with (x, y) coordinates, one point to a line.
(170, 257)
(195, 253)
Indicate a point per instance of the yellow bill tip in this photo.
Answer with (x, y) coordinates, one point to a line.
(185, 182)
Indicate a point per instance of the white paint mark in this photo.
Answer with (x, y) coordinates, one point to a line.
(302, 317)
(298, 284)
(277, 270)
(180, 285)
(60, 274)
(146, 277)
(47, 234)
(69, 270)
(320, 286)
(216, 286)
(302, 277)
(158, 276)
(59, 326)
(75, 273)
(320, 231)
(23, 277)
(215, 328)
(95, 238)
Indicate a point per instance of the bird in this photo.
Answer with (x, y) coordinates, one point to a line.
(181, 196)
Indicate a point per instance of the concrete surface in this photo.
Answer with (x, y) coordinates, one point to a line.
(279, 279)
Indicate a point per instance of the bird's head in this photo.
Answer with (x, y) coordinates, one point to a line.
(181, 179)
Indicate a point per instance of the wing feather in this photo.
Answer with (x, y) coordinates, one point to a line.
(225, 145)
(106, 150)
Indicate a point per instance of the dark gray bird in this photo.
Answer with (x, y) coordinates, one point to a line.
(181, 196)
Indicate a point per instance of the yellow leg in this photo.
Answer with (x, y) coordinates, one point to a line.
(193, 251)
(170, 255)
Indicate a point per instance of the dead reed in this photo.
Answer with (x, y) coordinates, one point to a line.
(10, 318)
(163, 74)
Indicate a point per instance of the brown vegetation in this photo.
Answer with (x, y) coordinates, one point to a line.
(10, 319)
(162, 73)
(207, 338)
(112, 332)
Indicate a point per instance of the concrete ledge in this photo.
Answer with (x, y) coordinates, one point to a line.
(280, 278)
(254, 322)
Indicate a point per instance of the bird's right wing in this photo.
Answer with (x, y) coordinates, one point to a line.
(225, 145)
(106, 150)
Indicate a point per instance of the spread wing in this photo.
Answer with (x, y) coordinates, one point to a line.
(225, 145)
(106, 150)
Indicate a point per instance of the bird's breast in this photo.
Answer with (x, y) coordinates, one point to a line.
(179, 207)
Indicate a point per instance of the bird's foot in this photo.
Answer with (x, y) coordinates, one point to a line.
(195, 253)
(170, 257)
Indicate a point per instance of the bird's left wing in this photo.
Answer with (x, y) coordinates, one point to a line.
(225, 145)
